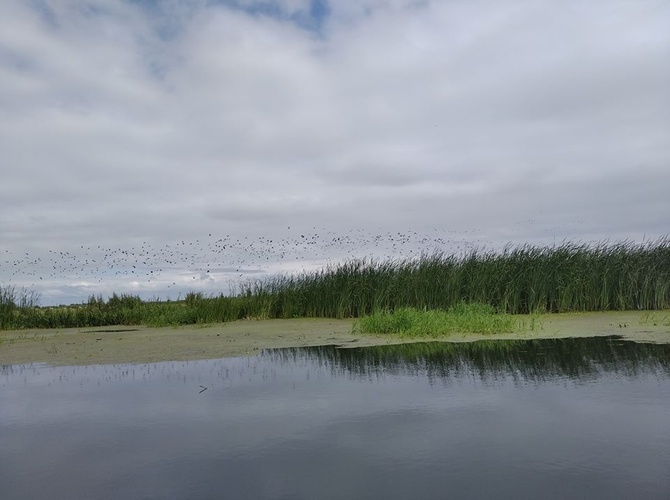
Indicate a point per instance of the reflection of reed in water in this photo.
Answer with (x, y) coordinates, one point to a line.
(524, 360)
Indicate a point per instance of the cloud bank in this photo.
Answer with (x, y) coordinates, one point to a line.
(144, 127)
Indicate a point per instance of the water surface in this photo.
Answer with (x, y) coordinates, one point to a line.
(570, 418)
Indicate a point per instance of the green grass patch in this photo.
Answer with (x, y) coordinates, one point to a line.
(462, 318)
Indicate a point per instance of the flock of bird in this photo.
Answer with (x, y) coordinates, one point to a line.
(179, 263)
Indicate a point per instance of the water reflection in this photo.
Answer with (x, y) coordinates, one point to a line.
(571, 418)
(577, 359)
(536, 360)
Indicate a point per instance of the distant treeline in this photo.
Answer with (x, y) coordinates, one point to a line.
(516, 280)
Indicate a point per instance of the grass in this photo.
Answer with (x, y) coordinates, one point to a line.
(462, 318)
(655, 319)
(517, 280)
(13, 301)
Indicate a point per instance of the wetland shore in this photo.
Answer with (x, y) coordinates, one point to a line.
(137, 344)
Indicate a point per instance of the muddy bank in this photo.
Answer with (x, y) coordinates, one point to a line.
(127, 344)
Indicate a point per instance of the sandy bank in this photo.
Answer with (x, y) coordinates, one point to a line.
(128, 344)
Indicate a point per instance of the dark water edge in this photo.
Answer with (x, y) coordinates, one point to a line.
(562, 418)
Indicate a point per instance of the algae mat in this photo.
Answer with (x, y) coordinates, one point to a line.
(130, 344)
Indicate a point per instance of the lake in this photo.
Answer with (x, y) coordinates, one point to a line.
(569, 418)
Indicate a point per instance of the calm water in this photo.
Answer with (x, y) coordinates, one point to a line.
(576, 418)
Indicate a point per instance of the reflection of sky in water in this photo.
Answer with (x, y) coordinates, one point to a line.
(328, 423)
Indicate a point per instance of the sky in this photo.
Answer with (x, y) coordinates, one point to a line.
(159, 147)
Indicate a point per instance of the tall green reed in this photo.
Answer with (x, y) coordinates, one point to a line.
(523, 279)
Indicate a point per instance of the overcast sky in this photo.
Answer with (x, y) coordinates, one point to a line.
(156, 147)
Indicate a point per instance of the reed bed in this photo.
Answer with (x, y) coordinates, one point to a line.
(517, 280)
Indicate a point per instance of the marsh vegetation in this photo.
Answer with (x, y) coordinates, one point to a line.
(461, 318)
(517, 280)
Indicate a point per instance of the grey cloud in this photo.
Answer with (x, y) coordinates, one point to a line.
(502, 122)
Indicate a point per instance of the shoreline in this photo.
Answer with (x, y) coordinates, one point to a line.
(139, 344)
